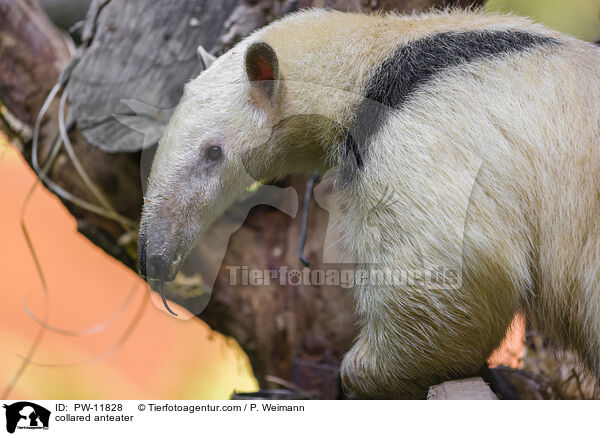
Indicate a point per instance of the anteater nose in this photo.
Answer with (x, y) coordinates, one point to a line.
(158, 268)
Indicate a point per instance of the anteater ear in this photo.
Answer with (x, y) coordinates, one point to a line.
(205, 57)
(262, 68)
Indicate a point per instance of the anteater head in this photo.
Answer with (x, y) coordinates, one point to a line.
(229, 130)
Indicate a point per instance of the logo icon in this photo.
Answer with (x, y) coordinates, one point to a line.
(26, 415)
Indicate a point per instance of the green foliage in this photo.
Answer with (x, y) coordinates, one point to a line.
(580, 18)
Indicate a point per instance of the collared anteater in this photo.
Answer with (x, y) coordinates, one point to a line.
(486, 129)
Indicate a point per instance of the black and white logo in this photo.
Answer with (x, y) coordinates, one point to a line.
(26, 416)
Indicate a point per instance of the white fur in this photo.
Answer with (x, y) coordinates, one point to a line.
(494, 167)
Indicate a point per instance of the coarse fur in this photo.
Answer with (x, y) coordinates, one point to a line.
(493, 162)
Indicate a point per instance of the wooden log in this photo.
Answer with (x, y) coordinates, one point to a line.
(467, 389)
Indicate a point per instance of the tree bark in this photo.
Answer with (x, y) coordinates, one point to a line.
(296, 333)
(32, 55)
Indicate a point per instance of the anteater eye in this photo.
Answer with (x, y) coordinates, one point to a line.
(214, 152)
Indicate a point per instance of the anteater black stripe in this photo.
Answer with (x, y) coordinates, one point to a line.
(413, 65)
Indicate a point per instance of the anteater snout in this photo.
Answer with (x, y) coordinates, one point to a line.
(154, 266)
